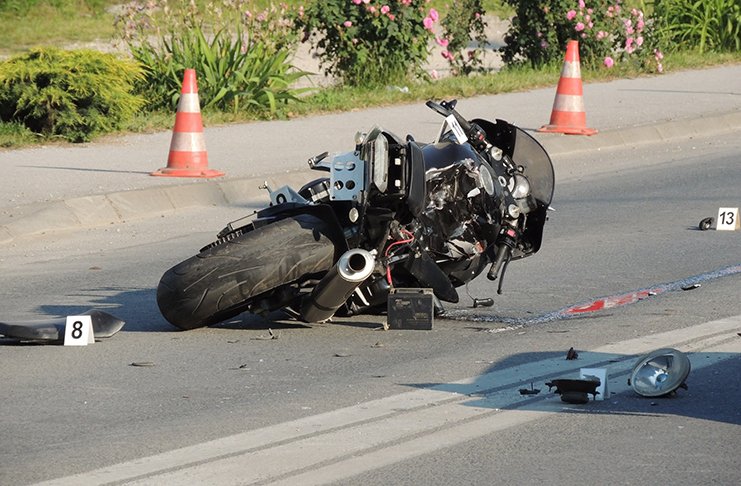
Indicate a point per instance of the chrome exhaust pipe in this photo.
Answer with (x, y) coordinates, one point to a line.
(353, 267)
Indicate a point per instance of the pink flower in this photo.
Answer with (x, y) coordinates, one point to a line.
(639, 41)
(570, 14)
(601, 35)
(434, 15)
(385, 9)
(658, 55)
(406, 2)
(428, 23)
(609, 62)
(447, 55)
(639, 25)
(434, 74)
(581, 4)
(442, 41)
(357, 2)
(579, 27)
(366, 2)
(347, 23)
(391, 17)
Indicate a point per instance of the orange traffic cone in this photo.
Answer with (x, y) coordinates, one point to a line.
(568, 114)
(188, 156)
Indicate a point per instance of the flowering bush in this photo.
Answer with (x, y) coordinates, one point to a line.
(607, 33)
(241, 56)
(611, 33)
(370, 42)
(463, 37)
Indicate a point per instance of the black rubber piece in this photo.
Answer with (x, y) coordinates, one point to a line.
(220, 282)
(706, 223)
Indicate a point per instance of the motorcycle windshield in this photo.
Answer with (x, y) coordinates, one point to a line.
(538, 167)
(527, 152)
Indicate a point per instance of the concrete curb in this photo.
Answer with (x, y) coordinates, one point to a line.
(645, 134)
(119, 207)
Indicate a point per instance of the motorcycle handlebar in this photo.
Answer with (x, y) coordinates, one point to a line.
(503, 252)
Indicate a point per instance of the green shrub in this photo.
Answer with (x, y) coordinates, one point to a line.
(607, 33)
(71, 94)
(14, 134)
(242, 59)
(370, 42)
(704, 25)
(22, 7)
(464, 37)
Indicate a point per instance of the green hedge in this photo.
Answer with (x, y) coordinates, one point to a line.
(70, 94)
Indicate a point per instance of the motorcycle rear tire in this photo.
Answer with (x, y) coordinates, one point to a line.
(219, 282)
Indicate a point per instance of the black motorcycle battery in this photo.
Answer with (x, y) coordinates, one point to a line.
(410, 309)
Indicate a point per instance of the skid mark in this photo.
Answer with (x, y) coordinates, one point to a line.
(609, 302)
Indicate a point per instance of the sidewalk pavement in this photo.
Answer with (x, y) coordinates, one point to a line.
(56, 188)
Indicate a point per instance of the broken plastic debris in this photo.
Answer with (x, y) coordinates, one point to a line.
(531, 391)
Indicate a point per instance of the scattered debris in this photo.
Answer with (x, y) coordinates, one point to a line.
(691, 286)
(531, 391)
(706, 223)
(384, 327)
(142, 364)
(341, 354)
(267, 338)
(487, 302)
(379, 344)
(574, 391)
(571, 354)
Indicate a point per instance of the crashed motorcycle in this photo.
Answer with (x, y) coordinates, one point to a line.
(391, 214)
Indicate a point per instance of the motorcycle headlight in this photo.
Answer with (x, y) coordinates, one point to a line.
(522, 187)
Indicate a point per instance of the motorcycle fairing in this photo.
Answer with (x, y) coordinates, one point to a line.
(459, 209)
(52, 330)
(526, 152)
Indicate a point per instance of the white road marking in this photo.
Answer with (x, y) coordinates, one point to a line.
(344, 442)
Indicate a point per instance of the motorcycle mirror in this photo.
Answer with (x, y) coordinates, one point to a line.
(438, 108)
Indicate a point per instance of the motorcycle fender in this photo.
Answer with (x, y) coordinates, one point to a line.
(429, 274)
(322, 211)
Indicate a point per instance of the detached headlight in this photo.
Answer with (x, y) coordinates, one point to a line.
(522, 187)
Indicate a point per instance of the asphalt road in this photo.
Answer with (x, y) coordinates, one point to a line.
(351, 404)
